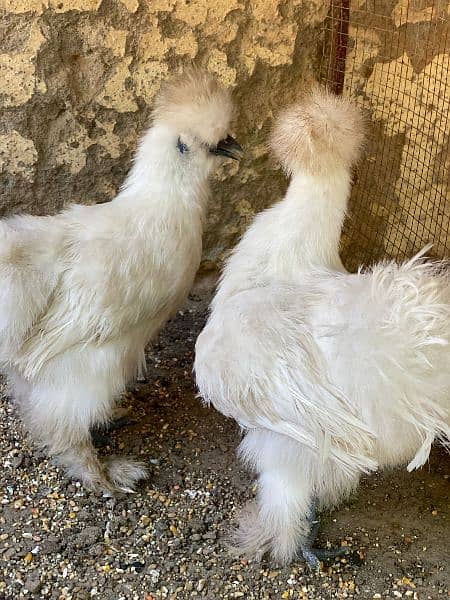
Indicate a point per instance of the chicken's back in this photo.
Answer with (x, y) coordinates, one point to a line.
(29, 250)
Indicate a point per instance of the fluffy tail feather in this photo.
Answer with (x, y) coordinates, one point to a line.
(418, 294)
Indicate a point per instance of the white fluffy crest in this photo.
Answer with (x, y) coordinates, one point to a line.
(319, 133)
(195, 102)
(83, 292)
(330, 374)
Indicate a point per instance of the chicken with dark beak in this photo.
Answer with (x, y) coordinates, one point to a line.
(84, 291)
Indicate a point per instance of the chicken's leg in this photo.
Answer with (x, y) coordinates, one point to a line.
(277, 522)
(313, 555)
(120, 418)
(60, 419)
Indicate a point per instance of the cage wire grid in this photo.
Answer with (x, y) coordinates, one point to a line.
(393, 59)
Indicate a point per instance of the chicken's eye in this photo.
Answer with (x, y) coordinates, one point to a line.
(182, 147)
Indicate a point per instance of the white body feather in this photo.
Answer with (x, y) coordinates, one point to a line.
(329, 373)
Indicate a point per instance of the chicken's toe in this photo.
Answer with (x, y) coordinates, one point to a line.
(124, 472)
(313, 556)
(310, 557)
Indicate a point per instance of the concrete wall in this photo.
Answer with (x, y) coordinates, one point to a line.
(77, 80)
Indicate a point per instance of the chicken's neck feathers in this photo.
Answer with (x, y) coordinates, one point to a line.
(315, 206)
(298, 234)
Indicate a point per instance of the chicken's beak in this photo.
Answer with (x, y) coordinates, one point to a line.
(229, 148)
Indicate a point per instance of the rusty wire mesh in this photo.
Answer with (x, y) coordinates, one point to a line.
(393, 58)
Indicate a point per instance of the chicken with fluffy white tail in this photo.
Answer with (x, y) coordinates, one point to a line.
(82, 292)
(330, 374)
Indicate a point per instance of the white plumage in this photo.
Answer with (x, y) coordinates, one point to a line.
(330, 374)
(82, 292)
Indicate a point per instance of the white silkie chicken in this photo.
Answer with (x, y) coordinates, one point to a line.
(330, 374)
(82, 292)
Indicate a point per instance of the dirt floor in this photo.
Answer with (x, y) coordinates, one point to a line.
(167, 540)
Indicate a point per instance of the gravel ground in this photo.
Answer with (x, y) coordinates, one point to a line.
(167, 540)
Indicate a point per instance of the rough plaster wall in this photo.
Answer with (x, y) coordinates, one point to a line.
(77, 80)
(398, 68)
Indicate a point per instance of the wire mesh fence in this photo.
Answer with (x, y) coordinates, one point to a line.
(393, 58)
